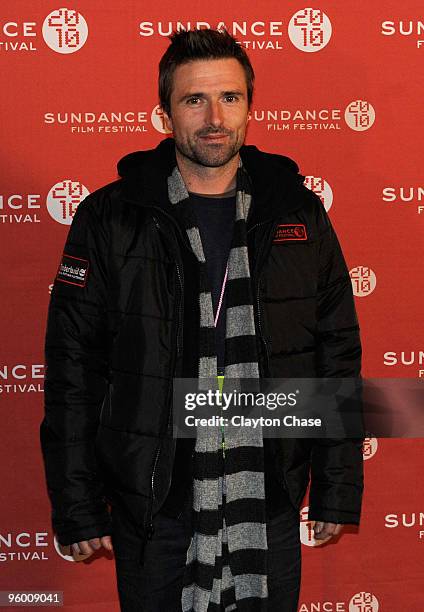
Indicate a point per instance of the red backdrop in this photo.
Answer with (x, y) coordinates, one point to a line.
(339, 89)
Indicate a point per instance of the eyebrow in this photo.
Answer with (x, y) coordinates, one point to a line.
(199, 94)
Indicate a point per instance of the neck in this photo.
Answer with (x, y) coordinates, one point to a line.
(207, 180)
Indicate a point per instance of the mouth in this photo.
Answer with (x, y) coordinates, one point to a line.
(214, 137)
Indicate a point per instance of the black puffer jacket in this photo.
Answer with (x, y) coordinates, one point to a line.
(122, 323)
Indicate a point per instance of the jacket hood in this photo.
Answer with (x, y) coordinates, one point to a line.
(276, 180)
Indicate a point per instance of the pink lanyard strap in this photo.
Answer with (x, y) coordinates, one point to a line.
(218, 310)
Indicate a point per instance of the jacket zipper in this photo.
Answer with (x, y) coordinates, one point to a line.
(265, 343)
(260, 270)
(284, 481)
(179, 345)
(180, 280)
(150, 529)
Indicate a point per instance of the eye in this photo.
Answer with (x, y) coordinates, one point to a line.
(231, 98)
(193, 101)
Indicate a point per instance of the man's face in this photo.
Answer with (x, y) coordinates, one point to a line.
(209, 110)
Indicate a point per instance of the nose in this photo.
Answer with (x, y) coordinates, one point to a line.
(215, 116)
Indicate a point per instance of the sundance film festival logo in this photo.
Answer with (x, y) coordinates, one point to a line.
(319, 185)
(406, 520)
(364, 601)
(401, 359)
(105, 122)
(309, 30)
(18, 36)
(20, 208)
(22, 378)
(411, 29)
(405, 197)
(23, 546)
(64, 31)
(358, 115)
(258, 35)
(63, 200)
(363, 280)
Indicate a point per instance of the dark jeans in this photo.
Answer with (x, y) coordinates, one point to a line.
(156, 585)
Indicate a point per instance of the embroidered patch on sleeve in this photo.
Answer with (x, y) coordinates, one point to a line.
(290, 231)
(73, 270)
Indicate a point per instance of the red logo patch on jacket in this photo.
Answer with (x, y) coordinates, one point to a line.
(290, 231)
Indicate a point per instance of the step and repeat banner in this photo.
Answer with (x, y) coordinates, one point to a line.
(339, 88)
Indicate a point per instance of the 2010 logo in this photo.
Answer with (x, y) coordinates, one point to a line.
(319, 185)
(158, 121)
(310, 30)
(363, 601)
(307, 529)
(67, 553)
(360, 115)
(369, 448)
(363, 280)
(63, 200)
(65, 30)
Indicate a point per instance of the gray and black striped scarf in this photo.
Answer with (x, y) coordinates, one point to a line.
(226, 566)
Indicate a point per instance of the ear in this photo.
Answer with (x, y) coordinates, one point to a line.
(167, 121)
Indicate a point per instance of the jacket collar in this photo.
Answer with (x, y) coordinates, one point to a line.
(277, 185)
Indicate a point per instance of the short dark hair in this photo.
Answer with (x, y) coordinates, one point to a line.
(205, 44)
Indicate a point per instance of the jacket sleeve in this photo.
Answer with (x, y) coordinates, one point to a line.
(76, 381)
(336, 464)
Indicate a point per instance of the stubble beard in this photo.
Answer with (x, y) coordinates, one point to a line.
(211, 155)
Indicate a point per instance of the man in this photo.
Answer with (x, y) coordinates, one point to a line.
(207, 257)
